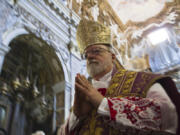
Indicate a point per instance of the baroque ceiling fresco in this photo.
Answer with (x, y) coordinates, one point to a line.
(131, 21)
(137, 10)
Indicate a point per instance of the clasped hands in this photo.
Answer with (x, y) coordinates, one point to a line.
(86, 96)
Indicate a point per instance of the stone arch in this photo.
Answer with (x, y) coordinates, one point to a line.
(52, 73)
(12, 33)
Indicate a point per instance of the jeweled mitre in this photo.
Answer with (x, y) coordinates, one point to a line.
(92, 33)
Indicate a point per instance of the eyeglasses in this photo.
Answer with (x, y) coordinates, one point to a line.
(95, 51)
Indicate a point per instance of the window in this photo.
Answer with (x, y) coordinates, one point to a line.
(158, 36)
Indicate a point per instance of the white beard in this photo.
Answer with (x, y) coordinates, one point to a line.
(96, 68)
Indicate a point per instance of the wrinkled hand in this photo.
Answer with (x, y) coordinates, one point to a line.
(83, 86)
(81, 106)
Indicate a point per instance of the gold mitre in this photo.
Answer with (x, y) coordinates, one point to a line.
(91, 33)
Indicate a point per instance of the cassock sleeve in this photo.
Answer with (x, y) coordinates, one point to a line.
(155, 112)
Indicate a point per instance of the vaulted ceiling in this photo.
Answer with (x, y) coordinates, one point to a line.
(131, 21)
(137, 10)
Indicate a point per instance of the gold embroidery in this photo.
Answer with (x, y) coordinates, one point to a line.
(92, 123)
(112, 87)
(121, 86)
(98, 131)
(128, 83)
(122, 83)
(115, 82)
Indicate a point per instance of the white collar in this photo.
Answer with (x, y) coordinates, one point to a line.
(103, 81)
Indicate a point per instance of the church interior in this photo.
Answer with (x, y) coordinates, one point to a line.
(39, 56)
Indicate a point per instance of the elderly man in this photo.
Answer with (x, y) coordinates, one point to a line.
(117, 101)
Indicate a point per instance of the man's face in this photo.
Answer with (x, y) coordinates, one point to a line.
(99, 60)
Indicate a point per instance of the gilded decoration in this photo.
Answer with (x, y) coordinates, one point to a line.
(90, 33)
(96, 125)
(130, 83)
(121, 83)
(93, 126)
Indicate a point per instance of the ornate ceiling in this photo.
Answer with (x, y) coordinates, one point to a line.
(137, 10)
(130, 22)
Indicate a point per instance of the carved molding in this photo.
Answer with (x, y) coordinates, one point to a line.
(33, 25)
(59, 26)
(25, 23)
(4, 49)
(50, 22)
(63, 11)
(36, 27)
(6, 13)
